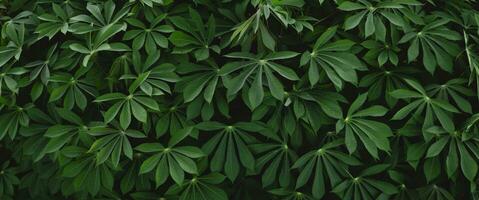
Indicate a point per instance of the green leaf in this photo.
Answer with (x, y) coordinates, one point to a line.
(369, 28)
(141, 78)
(179, 135)
(176, 172)
(109, 97)
(125, 115)
(275, 86)
(468, 164)
(181, 39)
(138, 111)
(150, 163)
(58, 130)
(437, 147)
(149, 147)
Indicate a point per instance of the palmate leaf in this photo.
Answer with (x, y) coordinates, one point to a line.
(41, 68)
(39, 123)
(279, 157)
(323, 165)
(173, 120)
(148, 37)
(39, 173)
(200, 107)
(169, 161)
(83, 173)
(16, 35)
(315, 107)
(126, 106)
(436, 42)
(257, 67)
(132, 180)
(200, 86)
(53, 23)
(328, 101)
(453, 89)
(285, 193)
(199, 79)
(334, 58)
(364, 186)
(107, 26)
(11, 121)
(197, 39)
(276, 160)
(7, 80)
(201, 188)
(73, 132)
(256, 24)
(372, 134)
(112, 143)
(435, 108)
(434, 192)
(380, 52)
(382, 83)
(374, 14)
(152, 78)
(101, 16)
(7, 180)
(72, 89)
(405, 191)
(472, 59)
(99, 43)
(460, 153)
(228, 148)
(304, 107)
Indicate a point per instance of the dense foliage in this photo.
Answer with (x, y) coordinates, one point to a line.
(239, 99)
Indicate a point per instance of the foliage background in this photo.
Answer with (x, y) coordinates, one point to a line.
(247, 99)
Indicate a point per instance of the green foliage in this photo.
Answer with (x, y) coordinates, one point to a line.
(239, 99)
